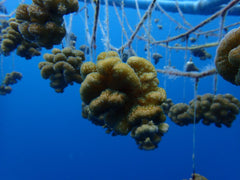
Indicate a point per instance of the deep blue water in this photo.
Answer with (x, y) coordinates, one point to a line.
(44, 137)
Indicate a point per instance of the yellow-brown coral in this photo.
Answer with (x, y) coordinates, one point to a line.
(5, 90)
(227, 59)
(149, 135)
(218, 109)
(124, 97)
(11, 38)
(39, 24)
(10, 79)
(62, 67)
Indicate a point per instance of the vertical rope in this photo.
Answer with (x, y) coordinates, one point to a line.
(166, 65)
(122, 8)
(94, 34)
(149, 36)
(2, 73)
(223, 15)
(87, 34)
(194, 127)
(68, 29)
(185, 61)
(107, 45)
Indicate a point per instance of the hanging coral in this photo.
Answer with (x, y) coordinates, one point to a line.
(37, 25)
(124, 97)
(218, 109)
(227, 59)
(62, 67)
(201, 53)
(10, 79)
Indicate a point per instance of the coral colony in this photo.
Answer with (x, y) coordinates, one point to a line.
(120, 90)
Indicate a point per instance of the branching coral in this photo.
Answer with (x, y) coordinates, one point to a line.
(218, 109)
(38, 25)
(124, 97)
(62, 67)
(227, 59)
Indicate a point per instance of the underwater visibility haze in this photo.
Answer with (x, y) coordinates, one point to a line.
(119, 89)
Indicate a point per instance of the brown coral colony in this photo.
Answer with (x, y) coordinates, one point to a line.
(227, 59)
(217, 109)
(37, 25)
(10, 79)
(62, 67)
(121, 95)
(124, 98)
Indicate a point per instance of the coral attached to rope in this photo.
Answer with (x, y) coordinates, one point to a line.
(37, 25)
(62, 67)
(227, 59)
(10, 79)
(124, 97)
(218, 109)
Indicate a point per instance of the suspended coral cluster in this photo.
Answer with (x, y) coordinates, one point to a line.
(196, 176)
(156, 57)
(3, 25)
(124, 97)
(127, 53)
(218, 109)
(13, 39)
(10, 79)
(37, 25)
(166, 105)
(227, 59)
(201, 53)
(62, 67)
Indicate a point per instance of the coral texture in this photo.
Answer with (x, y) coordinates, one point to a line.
(124, 97)
(218, 109)
(10, 79)
(40, 23)
(62, 67)
(227, 58)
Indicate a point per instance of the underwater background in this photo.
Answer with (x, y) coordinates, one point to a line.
(43, 135)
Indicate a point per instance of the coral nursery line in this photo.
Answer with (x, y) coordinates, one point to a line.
(119, 89)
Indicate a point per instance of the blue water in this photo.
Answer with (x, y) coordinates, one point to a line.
(44, 137)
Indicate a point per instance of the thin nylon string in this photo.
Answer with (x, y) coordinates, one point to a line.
(194, 128)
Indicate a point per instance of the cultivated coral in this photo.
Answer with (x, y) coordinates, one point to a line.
(124, 97)
(196, 176)
(156, 57)
(11, 37)
(218, 109)
(5, 90)
(166, 105)
(40, 23)
(227, 59)
(62, 67)
(10, 79)
(149, 135)
(201, 53)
